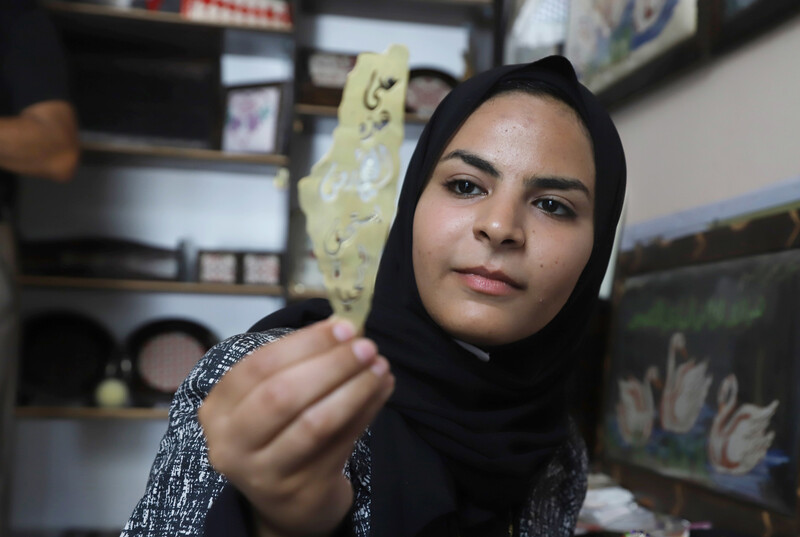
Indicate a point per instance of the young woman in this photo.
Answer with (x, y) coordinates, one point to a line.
(449, 415)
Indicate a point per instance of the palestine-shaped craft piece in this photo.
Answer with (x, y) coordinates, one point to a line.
(349, 197)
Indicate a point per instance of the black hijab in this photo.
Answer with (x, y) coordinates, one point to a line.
(462, 439)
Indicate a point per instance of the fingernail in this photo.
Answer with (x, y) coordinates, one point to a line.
(343, 330)
(380, 367)
(364, 350)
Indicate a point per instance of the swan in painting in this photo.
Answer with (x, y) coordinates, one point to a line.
(738, 440)
(685, 389)
(646, 13)
(635, 410)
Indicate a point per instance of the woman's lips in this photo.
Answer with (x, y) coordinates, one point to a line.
(488, 282)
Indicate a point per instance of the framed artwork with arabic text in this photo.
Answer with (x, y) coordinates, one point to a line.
(701, 410)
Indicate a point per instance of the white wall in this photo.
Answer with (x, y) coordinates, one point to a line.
(81, 474)
(729, 128)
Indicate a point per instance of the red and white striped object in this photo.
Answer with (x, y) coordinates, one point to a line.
(265, 13)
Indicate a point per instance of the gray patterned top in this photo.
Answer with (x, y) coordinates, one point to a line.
(183, 485)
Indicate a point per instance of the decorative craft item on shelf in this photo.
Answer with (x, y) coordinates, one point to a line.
(349, 197)
(114, 390)
(253, 118)
(274, 14)
(426, 89)
(63, 357)
(97, 257)
(322, 75)
(260, 268)
(167, 6)
(162, 353)
(217, 267)
(254, 268)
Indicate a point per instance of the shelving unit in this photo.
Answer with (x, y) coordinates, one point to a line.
(87, 413)
(192, 154)
(132, 188)
(131, 166)
(150, 286)
(160, 17)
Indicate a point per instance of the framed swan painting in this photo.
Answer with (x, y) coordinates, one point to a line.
(703, 373)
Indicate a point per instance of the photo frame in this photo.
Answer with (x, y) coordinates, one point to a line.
(737, 21)
(253, 118)
(712, 309)
(620, 47)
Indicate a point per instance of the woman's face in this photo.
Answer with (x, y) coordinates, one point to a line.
(504, 227)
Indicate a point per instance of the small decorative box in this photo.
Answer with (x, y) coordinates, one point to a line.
(217, 267)
(266, 13)
(261, 268)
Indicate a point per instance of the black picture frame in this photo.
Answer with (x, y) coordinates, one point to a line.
(734, 23)
(255, 118)
(671, 63)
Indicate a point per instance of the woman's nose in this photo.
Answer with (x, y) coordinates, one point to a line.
(499, 222)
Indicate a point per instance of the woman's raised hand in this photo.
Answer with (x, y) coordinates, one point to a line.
(281, 424)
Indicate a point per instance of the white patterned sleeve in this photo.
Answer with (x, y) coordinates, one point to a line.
(182, 484)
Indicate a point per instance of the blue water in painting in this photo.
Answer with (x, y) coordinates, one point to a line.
(655, 29)
(753, 483)
(685, 456)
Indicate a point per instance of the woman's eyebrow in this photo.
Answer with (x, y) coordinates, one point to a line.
(554, 183)
(473, 160)
(558, 183)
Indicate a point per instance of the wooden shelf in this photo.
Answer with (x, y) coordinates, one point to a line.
(155, 286)
(454, 13)
(125, 13)
(90, 413)
(133, 150)
(331, 111)
(456, 2)
(297, 292)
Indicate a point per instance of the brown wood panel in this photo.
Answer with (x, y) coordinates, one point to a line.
(156, 286)
(90, 413)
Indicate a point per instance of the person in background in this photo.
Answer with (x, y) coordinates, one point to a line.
(38, 138)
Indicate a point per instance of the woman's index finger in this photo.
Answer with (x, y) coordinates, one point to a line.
(271, 358)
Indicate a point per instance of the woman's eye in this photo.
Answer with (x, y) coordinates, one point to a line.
(556, 208)
(462, 187)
